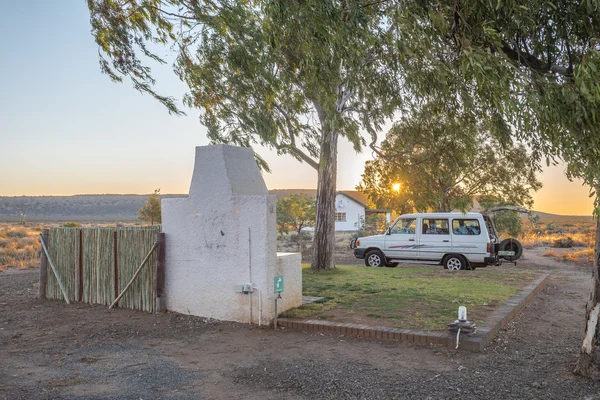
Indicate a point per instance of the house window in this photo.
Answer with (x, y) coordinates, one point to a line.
(340, 217)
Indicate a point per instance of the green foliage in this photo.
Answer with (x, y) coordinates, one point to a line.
(530, 66)
(295, 76)
(291, 76)
(151, 211)
(534, 221)
(295, 212)
(507, 222)
(70, 225)
(443, 161)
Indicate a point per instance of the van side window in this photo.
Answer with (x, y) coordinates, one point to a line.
(436, 226)
(406, 226)
(466, 227)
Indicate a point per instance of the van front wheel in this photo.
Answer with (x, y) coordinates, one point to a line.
(455, 262)
(374, 258)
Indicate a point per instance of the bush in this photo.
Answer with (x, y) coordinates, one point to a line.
(295, 238)
(16, 233)
(563, 243)
(71, 225)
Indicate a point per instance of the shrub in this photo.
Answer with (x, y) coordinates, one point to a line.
(71, 225)
(551, 253)
(563, 243)
(16, 233)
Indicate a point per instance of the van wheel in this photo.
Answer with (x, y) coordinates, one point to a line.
(391, 264)
(512, 245)
(374, 258)
(455, 262)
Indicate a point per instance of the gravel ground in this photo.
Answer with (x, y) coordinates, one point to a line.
(50, 350)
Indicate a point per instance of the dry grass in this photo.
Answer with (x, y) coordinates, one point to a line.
(573, 255)
(562, 231)
(570, 238)
(19, 246)
(531, 239)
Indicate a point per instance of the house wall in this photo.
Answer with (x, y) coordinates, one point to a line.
(353, 210)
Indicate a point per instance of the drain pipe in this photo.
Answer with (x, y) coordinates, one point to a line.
(250, 272)
(259, 304)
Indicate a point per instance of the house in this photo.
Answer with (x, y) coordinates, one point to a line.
(351, 207)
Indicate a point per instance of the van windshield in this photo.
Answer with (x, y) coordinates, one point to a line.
(405, 226)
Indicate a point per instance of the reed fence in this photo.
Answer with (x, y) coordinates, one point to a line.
(96, 264)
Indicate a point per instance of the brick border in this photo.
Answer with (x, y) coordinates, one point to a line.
(476, 342)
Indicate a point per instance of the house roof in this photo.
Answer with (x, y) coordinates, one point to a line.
(354, 195)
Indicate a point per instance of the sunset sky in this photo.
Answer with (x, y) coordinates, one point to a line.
(67, 129)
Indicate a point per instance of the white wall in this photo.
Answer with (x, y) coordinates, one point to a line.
(208, 252)
(353, 210)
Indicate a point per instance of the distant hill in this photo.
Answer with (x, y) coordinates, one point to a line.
(102, 207)
(556, 218)
(116, 207)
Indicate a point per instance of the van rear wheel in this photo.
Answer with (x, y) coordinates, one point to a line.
(455, 262)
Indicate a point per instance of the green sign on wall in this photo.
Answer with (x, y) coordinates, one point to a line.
(278, 284)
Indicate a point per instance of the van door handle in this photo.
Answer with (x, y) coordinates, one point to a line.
(446, 240)
(411, 240)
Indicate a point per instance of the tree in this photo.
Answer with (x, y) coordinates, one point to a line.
(531, 67)
(505, 221)
(151, 210)
(294, 76)
(444, 161)
(373, 224)
(297, 75)
(295, 212)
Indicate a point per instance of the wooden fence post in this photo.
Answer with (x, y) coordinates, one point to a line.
(80, 270)
(116, 270)
(44, 266)
(159, 271)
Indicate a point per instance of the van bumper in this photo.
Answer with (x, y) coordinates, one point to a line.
(490, 260)
(359, 253)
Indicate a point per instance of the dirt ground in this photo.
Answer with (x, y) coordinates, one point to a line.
(51, 350)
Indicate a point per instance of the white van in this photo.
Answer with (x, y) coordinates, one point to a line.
(455, 240)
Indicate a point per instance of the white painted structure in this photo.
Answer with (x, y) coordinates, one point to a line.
(350, 213)
(223, 236)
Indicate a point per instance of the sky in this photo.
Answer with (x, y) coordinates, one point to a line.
(66, 129)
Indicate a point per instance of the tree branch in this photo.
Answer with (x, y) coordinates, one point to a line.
(292, 145)
(534, 63)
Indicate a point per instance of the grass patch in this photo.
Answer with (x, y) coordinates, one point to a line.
(415, 298)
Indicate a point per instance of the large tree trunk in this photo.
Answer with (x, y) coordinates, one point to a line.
(588, 364)
(324, 240)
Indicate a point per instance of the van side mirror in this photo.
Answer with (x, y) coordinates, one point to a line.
(388, 231)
